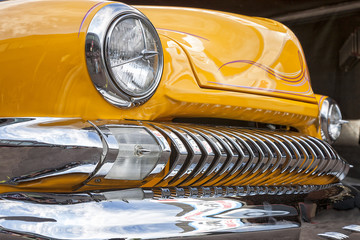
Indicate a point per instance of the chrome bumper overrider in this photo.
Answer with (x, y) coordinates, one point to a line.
(194, 155)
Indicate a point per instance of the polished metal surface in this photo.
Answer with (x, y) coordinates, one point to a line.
(96, 59)
(110, 151)
(115, 215)
(238, 191)
(333, 235)
(36, 148)
(243, 152)
(33, 148)
(353, 228)
(218, 158)
(325, 109)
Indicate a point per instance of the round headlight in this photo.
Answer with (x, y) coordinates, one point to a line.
(132, 50)
(331, 120)
(128, 66)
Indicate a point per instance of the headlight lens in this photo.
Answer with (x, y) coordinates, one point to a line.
(123, 55)
(331, 120)
(132, 55)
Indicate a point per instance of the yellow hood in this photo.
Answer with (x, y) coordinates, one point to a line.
(237, 53)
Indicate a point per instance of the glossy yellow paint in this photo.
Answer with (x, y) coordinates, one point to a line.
(216, 65)
(237, 53)
(44, 73)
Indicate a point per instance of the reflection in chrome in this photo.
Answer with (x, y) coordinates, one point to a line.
(108, 215)
(100, 70)
(333, 235)
(64, 146)
(35, 148)
(179, 148)
(239, 191)
(266, 150)
(327, 121)
(353, 227)
(110, 151)
(196, 155)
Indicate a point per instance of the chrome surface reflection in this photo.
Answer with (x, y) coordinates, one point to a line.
(110, 215)
(98, 53)
(32, 148)
(37, 148)
(330, 125)
(198, 155)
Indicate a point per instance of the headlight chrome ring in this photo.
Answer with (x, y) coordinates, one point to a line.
(123, 55)
(330, 120)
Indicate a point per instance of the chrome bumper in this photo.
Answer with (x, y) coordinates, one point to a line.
(199, 159)
(207, 180)
(108, 216)
(136, 213)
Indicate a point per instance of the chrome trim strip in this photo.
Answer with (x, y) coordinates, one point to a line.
(239, 191)
(180, 153)
(282, 155)
(329, 157)
(305, 158)
(207, 158)
(110, 152)
(230, 160)
(320, 156)
(295, 161)
(255, 156)
(238, 160)
(220, 155)
(193, 157)
(165, 148)
(313, 164)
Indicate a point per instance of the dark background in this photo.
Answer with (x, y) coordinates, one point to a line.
(322, 28)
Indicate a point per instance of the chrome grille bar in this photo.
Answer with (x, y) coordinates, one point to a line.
(230, 156)
(239, 191)
(115, 154)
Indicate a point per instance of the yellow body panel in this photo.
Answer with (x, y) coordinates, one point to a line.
(237, 53)
(215, 65)
(44, 71)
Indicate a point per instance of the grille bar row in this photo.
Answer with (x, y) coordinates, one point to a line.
(239, 191)
(230, 156)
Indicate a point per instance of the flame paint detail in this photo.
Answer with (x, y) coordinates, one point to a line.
(298, 78)
(270, 90)
(287, 77)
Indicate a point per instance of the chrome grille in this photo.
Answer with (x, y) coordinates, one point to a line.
(239, 191)
(204, 156)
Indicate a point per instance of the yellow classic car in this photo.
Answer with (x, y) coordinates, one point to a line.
(149, 122)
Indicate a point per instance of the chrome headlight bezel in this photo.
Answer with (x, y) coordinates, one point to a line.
(100, 72)
(327, 124)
